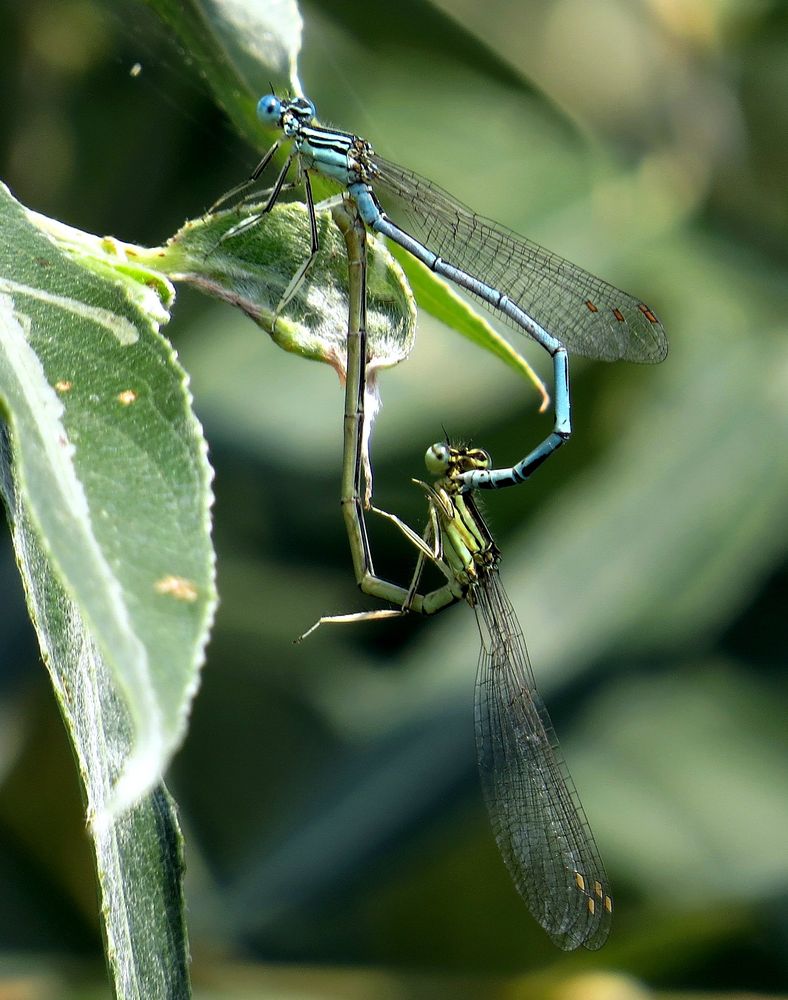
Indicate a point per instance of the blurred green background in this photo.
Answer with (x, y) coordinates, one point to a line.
(337, 843)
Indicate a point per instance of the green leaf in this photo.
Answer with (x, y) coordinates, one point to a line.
(252, 270)
(138, 855)
(237, 46)
(109, 467)
(140, 868)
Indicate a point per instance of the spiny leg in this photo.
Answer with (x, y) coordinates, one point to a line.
(244, 185)
(314, 246)
(430, 603)
(251, 221)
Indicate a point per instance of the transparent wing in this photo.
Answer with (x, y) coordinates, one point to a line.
(590, 316)
(539, 824)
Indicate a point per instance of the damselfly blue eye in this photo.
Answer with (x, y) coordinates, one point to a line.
(269, 108)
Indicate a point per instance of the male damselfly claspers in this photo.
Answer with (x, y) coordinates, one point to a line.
(539, 824)
(554, 302)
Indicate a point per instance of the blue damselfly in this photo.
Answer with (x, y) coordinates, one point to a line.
(554, 302)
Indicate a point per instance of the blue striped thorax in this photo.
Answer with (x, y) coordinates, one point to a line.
(344, 157)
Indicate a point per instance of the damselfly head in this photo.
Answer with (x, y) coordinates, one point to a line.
(442, 459)
(278, 113)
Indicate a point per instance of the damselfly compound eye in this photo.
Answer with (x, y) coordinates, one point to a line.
(438, 458)
(269, 109)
